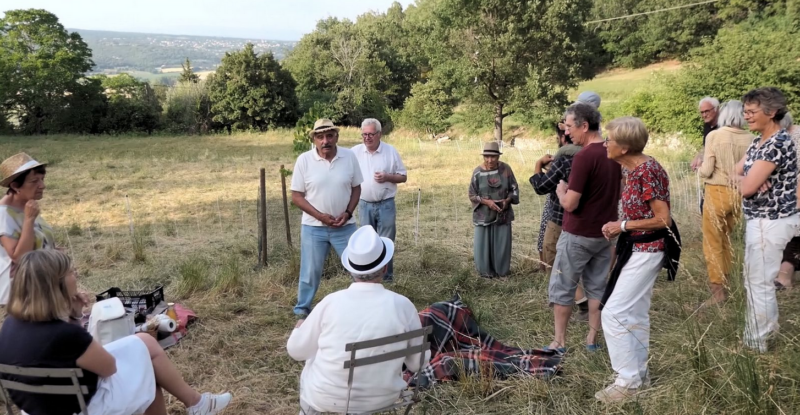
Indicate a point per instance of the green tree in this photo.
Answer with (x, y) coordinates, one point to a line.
(641, 40)
(187, 109)
(132, 105)
(510, 53)
(427, 109)
(187, 75)
(250, 91)
(41, 66)
(748, 55)
(338, 66)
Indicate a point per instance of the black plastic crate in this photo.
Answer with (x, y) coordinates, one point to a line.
(141, 302)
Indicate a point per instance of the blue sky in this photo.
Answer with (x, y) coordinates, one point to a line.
(261, 19)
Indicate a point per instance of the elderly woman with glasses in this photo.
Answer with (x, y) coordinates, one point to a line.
(492, 190)
(647, 242)
(767, 177)
(723, 204)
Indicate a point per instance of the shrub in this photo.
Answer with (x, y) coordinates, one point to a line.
(187, 109)
(745, 56)
(428, 109)
(302, 142)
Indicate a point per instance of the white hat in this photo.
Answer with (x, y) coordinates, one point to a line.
(367, 252)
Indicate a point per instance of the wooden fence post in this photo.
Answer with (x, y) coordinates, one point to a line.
(263, 218)
(286, 208)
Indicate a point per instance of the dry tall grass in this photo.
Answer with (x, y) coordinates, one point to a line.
(191, 225)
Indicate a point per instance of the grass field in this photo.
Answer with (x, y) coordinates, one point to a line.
(181, 211)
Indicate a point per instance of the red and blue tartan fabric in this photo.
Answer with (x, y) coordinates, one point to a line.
(459, 346)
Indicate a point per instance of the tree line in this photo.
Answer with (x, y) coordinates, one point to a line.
(423, 67)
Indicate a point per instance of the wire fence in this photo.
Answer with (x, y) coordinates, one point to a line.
(433, 209)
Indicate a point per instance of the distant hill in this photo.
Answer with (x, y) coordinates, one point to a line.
(149, 52)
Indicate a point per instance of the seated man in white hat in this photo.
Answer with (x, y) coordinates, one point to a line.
(363, 311)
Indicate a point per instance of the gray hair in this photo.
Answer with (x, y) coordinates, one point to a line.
(787, 121)
(770, 99)
(584, 113)
(731, 114)
(372, 121)
(368, 277)
(711, 100)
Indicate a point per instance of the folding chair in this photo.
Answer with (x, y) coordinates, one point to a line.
(406, 398)
(74, 389)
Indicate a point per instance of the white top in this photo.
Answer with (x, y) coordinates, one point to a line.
(11, 220)
(364, 311)
(386, 160)
(327, 184)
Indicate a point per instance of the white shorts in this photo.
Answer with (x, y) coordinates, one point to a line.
(133, 388)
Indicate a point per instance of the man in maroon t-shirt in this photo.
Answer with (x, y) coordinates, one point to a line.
(589, 201)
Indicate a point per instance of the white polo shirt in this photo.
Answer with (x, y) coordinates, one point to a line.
(385, 159)
(364, 311)
(327, 184)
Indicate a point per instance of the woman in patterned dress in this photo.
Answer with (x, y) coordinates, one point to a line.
(492, 190)
(767, 180)
(645, 218)
(22, 229)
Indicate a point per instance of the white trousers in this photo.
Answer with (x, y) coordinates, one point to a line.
(765, 241)
(626, 318)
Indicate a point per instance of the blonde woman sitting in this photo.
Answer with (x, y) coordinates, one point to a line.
(122, 377)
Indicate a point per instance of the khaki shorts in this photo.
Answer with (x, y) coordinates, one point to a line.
(551, 234)
(577, 258)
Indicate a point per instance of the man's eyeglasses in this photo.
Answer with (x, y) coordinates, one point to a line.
(706, 112)
(369, 135)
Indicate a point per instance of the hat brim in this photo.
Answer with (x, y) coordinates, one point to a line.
(7, 181)
(389, 255)
(312, 132)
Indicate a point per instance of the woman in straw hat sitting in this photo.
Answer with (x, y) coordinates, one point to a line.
(21, 228)
(492, 191)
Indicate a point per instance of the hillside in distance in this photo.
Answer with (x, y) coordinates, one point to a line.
(149, 52)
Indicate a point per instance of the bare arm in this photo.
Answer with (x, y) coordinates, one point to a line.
(97, 360)
(396, 178)
(342, 219)
(569, 199)
(756, 177)
(661, 219)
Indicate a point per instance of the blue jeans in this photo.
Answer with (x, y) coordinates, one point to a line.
(381, 215)
(315, 243)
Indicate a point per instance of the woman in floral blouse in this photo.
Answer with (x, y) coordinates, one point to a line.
(492, 191)
(767, 177)
(641, 253)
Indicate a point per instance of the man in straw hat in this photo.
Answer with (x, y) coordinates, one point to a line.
(364, 311)
(326, 185)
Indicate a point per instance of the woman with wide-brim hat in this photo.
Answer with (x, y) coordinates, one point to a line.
(492, 191)
(22, 229)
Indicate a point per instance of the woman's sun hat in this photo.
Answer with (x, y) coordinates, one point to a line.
(366, 251)
(16, 165)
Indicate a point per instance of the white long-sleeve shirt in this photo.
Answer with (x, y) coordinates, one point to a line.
(364, 311)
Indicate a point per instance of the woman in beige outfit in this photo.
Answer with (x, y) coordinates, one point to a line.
(723, 204)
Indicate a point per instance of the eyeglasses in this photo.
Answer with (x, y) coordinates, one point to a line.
(369, 135)
(606, 139)
(705, 112)
(750, 113)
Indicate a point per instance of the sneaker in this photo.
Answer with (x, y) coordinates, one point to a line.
(210, 404)
(615, 393)
(388, 280)
(301, 316)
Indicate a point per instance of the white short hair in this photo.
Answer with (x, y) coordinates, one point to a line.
(711, 100)
(730, 114)
(369, 277)
(371, 121)
(787, 121)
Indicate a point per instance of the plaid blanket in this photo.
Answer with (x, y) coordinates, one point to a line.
(459, 347)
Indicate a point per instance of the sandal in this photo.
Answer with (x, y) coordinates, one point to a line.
(558, 350)
(594, 347)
